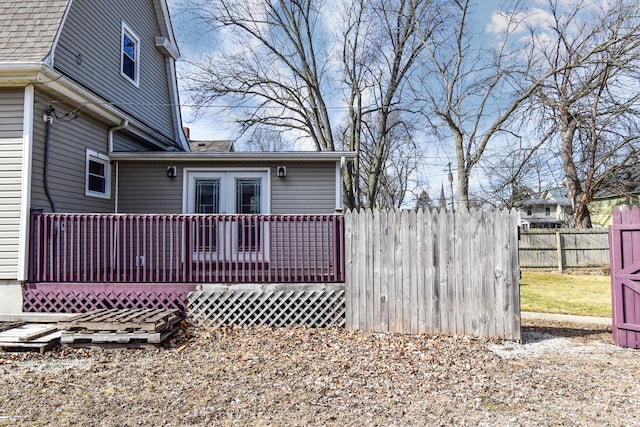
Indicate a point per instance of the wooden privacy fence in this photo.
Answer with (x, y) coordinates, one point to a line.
(433, 271)
(565, 248)
(624, 234)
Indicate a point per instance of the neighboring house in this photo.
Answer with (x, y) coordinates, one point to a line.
(206, 146)
(622, 188)
(90, 124)
(548, 209)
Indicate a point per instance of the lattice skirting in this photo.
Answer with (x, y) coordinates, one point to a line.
(80, 298)
(275, 308)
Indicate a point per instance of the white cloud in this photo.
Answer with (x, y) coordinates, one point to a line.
(518, 22)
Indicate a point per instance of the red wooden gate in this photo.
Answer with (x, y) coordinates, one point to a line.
(624, 244)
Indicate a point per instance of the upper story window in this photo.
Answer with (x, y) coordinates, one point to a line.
(98, 175)
(547, 211)
(130, 55)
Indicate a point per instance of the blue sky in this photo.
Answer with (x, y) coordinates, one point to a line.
(195, 39)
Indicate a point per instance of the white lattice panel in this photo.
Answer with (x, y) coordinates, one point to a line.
(316, 309)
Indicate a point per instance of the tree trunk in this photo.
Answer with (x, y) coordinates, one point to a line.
(574, 187)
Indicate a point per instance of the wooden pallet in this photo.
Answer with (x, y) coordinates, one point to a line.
(114, 337)
(154, 320)
(28, 336)
(130, 328)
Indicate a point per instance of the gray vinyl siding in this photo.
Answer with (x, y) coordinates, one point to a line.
(89, 51)
(145, 188)
(11, 117)
(11, 111)
(69, 139)
(124, 142)
(307, 188)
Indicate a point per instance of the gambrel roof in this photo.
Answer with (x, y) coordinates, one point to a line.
(29, 29)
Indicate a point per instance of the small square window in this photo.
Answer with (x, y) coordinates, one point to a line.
(130, 55)
(98, 175)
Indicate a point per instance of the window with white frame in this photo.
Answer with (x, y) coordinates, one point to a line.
(130, 55)
(98, 175)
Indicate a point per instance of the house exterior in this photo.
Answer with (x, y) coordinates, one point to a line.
(620, 189)
(90, 124)
(548, 209)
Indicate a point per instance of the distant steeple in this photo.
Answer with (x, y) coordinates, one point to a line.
(443, 199)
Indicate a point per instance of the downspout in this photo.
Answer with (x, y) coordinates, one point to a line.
(112, 130)
(48, 118)
(121, 126)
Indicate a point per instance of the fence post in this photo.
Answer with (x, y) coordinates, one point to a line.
(559, 250)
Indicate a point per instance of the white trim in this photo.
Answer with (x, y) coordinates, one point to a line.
(134, 37)
(98, 158)
(25, 189)
(175, 101)
(50, 59)
(164, 20)
(235, 156)
(339, 203)
(117, 189)
(166, 48)
(228, 202)
(190, 174)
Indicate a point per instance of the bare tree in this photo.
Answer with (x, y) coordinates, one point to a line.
(400, 160)
(282, 68)
(382, 42)
(518, 170)
(272, 65)
(476, 87)
(265, 139)
(588, 102)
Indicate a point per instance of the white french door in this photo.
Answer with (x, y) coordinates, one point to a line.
(229, 192)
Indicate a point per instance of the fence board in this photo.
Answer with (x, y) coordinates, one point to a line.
(625, 276)
(433, 271)
(563, 248)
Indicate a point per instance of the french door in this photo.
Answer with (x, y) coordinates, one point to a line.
(241, 193)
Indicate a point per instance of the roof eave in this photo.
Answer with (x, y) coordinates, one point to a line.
(236, 156)
(20, 73)
(37, 73)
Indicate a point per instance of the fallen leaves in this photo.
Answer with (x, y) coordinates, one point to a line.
(299, 376)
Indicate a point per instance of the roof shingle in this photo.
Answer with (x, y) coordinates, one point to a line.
(29, 28)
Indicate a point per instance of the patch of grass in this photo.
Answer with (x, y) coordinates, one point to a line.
(584, 295)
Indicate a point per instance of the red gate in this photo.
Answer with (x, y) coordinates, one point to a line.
(624, 243)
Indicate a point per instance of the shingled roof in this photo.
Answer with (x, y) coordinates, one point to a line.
(29, 28)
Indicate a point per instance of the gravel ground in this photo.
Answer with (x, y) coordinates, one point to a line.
(562, 374)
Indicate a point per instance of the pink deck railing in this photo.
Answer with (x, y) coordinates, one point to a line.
(121, 248)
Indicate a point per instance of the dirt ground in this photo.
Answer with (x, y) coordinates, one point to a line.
(562, 374)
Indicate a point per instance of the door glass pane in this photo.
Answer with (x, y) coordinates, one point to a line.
(248, 202)
(207, 196)
(248, 195)
(207, 200)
